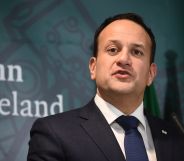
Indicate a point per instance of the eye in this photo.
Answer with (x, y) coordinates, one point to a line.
(112, 50)
(137, 52)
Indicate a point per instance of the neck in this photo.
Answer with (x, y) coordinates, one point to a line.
(126, 103)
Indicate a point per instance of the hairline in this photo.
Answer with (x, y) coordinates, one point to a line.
(129, 17)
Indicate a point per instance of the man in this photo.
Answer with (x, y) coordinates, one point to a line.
(122, 67)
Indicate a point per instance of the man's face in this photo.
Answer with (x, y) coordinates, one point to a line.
(123, 65)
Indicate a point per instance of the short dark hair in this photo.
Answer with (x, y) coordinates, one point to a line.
(127, 16)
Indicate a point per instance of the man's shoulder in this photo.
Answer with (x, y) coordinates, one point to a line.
(70, 117)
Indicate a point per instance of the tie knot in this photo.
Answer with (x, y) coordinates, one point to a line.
(127, 122)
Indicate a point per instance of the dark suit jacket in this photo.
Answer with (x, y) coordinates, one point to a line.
(84, 135)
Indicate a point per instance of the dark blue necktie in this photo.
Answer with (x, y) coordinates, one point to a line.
(133, 142)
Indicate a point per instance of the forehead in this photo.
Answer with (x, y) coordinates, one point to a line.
(128, 29)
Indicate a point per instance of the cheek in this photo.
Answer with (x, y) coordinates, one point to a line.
(104, 66)
(101, 70)
(142, 72)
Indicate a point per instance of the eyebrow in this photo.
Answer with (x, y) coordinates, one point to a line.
(117, 42)
(139, 45)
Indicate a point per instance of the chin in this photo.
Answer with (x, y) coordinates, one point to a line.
(123, 90)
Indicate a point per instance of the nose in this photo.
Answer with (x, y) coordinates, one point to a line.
(124, 58)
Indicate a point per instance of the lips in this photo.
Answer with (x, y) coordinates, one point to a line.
(122, 74)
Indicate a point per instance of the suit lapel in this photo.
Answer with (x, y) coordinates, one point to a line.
(100, 132)
(161, 139)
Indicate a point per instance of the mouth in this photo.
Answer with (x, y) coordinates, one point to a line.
(122, 74)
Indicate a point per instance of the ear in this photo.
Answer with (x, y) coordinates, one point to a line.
(92, 67)
(152, 73)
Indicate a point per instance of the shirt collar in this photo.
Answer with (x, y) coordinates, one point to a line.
(111, 113)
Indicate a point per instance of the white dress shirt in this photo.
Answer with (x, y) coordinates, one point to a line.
(111, 113)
